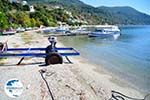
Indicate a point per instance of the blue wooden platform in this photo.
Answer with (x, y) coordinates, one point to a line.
(11, 52)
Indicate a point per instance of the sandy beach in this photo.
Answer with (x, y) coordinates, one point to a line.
(78, 81)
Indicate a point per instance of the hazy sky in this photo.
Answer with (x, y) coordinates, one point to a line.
(141, 5)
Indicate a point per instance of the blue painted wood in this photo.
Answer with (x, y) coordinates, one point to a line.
(31, 49)
(23, 55)
(24, 49)
(35, 54)
(72, 52)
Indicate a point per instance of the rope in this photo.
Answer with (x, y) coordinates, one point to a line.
(122, 96)
(41, 72)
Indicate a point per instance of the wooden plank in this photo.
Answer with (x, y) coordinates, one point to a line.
(35, 54)
(32, 49)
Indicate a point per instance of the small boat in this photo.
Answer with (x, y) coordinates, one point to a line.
(19, 29)
(9, 32)
(106, 31)
(28, 29)
(80, 30)
(47, 30)
(62, 29)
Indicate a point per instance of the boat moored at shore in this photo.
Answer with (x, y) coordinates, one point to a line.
(106, 31)
(10, 31)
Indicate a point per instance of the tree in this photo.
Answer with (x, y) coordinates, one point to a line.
(23, 19)
(38, 23)
(3, 21)
(33, 22)
(26, 8)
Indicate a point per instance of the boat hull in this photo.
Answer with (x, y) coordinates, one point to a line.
(101, 35)
(9, 33)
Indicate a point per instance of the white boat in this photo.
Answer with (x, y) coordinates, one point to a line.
(9, 32)
(62, 29)
(28, 29)
(19, 29)
(80, 30)
(47, 30)
(106, 31)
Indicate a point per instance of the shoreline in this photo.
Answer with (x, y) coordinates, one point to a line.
(109, 78)
(69, 81)
(115, 78)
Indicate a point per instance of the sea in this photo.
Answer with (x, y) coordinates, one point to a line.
(128, 57)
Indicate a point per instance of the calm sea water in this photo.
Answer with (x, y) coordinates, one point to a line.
(127, 57)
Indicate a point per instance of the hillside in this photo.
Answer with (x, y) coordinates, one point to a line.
(101, 15)
(62, 2)
(18, 15)
(128, 14)
(73, 12)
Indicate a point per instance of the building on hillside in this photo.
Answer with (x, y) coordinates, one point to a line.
(73, 20)
(69, 13)
(32, 9)
(56, 7)
(15, 1)
(24, 3)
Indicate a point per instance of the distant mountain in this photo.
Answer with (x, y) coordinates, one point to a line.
(128, 14)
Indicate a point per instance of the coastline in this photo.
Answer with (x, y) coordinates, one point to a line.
(104, 77)
(70, 81)
(109, 79)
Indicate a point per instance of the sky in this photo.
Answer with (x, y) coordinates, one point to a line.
(140, 5)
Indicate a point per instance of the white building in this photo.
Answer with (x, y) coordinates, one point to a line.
(32, 9)
(15, 1)
(24, 3)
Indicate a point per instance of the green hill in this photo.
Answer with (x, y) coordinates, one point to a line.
(73, 12)
(126, 15)
(101, 15)
(16, 15)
